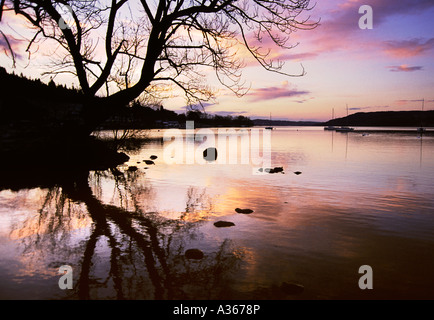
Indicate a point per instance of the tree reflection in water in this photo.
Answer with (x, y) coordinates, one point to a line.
(128, 253)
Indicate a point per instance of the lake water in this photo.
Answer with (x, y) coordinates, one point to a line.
(359, 200)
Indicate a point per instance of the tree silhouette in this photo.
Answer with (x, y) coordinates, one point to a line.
(147, 45)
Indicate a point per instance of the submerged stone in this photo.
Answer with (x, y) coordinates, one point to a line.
(224, 224)
(195, 254)
(121, 157)
(297, 172)
(148, 162)
(153, 157)
(244, 211)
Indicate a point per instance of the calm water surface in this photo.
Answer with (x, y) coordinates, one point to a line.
(360, 200)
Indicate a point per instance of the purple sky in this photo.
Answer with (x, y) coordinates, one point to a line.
(390, 67)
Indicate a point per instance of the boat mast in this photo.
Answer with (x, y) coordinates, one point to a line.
(347, 114)
(421, 129)
(421, 117)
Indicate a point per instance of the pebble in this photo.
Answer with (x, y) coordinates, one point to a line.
(195, 254)
(244, 211)
(224, 224)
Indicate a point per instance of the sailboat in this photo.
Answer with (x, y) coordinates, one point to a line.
(421, 129)
(331, 127)
(269, 128)
(346, 128)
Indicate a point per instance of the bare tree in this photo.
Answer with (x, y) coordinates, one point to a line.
(139, 44)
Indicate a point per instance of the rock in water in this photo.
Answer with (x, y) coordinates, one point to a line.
(153, 157)
(244, 211)
(224, 224)
(297, 172)
(210, 154)
(148, 162)
(195, 254)
(291, 288)
(132, 168)
(121, 157)
(273, 170)
(116, 172)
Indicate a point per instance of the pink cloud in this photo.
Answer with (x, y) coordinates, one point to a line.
(272, 52)
(339, 29)
(10, 46)
(274, 92)
(8, 42)
(382, 9)
(298, 56)
(408, 48)
(404, 68)
(404, 102)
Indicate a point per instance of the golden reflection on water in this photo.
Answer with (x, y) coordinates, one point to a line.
(46, 219)
(359, 200)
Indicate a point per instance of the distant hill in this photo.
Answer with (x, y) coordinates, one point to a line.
(364, 119)
(386, 119)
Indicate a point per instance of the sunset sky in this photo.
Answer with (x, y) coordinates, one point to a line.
(389, 67)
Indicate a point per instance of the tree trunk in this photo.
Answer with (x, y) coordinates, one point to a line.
(97, 110)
